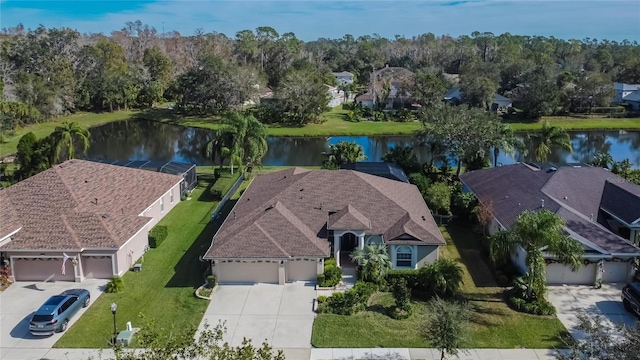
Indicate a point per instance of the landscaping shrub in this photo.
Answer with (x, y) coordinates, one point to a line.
(211, 281)
(215, 194)
(115, 285)
(364, 290)
(332, 276)
(412, 277)
(534, 306)
(320, 279)
(157, 235)
(330, 262)
(321, 299)
(402, 296)
(443, 277)
(342, 303)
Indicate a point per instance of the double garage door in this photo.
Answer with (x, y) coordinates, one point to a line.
(42, 269)
(234, 272)
(614, 272)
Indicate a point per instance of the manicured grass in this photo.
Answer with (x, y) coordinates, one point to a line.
(572, 123)
(164, 290)
(44, 129)
(493, 324)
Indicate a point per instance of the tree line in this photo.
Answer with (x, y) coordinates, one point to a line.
(46, 72)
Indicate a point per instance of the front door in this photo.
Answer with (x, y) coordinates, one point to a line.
(348, 242)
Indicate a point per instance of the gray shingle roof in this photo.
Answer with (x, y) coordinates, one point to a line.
(294, 207)
(574, 193)
(82, 204)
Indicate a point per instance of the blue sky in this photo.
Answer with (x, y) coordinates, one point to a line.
(309, 20)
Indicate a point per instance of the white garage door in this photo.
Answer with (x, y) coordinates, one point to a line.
(302, 270)
(615, 272)
(42, 269)
(97, 267)
(247, 272)
(561, 274)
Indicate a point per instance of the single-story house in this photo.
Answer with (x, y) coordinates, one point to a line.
(454, 96)
(633, 100)
(366, 100)
(601, 210)
(344, 77)
(386, 170)
(82, 219)
(287, 222)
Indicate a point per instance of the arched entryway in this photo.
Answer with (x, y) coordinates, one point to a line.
(348, 243)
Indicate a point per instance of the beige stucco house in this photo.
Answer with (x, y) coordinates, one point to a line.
(287, 222)
(98, 215)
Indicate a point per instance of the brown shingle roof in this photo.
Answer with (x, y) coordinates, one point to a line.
(82, 204)
(291, 209)
(573, 193)
(9, 221)
(348, 218)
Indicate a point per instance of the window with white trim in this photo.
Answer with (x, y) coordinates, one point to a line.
(162, 204)
(403, 256)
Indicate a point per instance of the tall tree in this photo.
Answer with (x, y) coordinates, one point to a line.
(549, 137)
(403, 157)
(428, 88)
(447, 326)
(301, 97)
(538, 95)
(506, 140)
(536, 232)
(342, 153)
(66, 138)
(477, 90)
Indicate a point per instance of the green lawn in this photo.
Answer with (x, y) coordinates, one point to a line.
(164, 290)
(334, 125)
(44, 129)
(493, 324)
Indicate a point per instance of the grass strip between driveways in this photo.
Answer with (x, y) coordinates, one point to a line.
(164, 290)
(493, 324)
(335, 124)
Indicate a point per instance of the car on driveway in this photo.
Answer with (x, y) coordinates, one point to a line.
(631, 298)
(54, 315)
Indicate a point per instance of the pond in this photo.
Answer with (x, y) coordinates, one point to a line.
(150, 140)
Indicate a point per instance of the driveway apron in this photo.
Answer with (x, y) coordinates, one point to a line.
(281, 315)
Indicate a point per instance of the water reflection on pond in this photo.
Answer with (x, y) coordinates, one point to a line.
(150, 140)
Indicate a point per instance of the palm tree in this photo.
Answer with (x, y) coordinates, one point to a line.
(374, 260)
(603, 160)
(66, 137)
(551, 136)
(536, 232)
(248, 137)
(507, 141)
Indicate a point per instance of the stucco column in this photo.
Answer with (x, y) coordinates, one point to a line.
(281, 273)
(336, 248)
(361, 241)
(78, 269)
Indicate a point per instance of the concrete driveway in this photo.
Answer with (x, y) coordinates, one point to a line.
(281, 315)
(571, 300)
(17, 305)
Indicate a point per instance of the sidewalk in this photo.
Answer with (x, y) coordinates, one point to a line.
(313, 354)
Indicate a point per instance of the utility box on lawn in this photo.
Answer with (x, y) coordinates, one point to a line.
(124, 338)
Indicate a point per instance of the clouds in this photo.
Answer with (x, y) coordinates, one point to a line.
(309, 20)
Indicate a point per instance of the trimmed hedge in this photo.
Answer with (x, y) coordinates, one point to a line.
(332, 276)
(411, 276)
(211, 281)
(157, 235)
(348, 302)
(535, 306)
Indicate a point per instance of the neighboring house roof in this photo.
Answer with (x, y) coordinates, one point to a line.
(81, 204)
(625, 87)
(455, 95)
(384, 169)
(574, 193)
(364, 97)
(343, 73)
(289, 213)
(634, 96)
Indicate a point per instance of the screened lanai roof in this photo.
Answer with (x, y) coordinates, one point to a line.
(188, 171)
